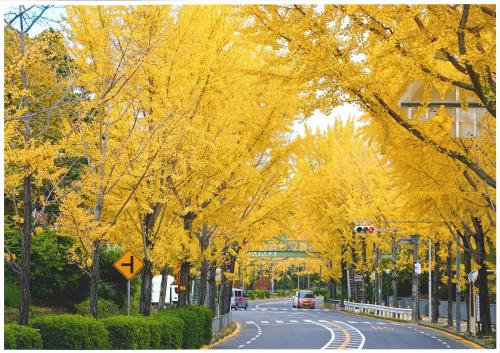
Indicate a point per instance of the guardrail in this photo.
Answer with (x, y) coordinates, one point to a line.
(335, 303)
(379, 310)
(220, 322)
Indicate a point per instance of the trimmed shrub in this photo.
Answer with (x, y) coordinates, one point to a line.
(251, 294)
(105, 308)
(21, 337)
(12, 297)
(172, 329)
(71, 332)
(197, 328)
(128, 332)
(321, 291)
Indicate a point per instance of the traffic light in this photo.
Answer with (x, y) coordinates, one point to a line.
(364, 229)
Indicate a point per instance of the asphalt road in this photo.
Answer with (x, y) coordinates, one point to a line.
(274, 324)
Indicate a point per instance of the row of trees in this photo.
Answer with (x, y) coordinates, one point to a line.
(167, 130)
(410, 169)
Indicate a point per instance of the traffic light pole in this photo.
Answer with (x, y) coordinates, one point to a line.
(415, 297)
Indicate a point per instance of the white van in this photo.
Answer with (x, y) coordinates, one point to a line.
(239, 299)
(170, 295)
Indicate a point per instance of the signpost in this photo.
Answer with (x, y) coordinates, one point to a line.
(129, 266)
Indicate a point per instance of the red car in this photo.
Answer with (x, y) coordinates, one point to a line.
(304, 299)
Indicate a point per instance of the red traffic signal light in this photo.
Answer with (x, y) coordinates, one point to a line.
(364, 229)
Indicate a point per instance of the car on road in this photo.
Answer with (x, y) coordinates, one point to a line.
(304, 299)
(239, 299)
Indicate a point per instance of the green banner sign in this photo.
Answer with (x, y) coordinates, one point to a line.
(281, 254)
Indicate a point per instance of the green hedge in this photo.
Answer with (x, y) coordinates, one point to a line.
(129, 332)
(21, 337)
(172, 331)
(251, 294)
(321, 291)
(71, 332)
(105, 308)
(262, 294)
(197, 328)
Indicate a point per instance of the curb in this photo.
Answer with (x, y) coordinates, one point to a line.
(225, 338)
(458, 337)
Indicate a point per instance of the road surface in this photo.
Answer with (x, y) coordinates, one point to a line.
(274, 324)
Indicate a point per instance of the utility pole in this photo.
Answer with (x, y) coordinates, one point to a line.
(394, 280)
(430, 280)
(379, 277)
(457, 301)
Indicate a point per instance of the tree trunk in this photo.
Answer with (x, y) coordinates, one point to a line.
(467, 268)
(163, 288)
(94, 277)
(147, 270)
(223, 298)
(227, 287)
(436, 280)
(484, 302)
(204, 239)
(212, 289)
(482, 281)
(183, 286)
(146, 288)
(203, 282)
(26, 252)
(450, 286)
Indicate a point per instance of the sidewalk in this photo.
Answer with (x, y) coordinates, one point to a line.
(442, 324)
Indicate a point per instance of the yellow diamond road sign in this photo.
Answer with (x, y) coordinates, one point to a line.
(128, 265)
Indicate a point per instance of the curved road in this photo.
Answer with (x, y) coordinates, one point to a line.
(274, 324)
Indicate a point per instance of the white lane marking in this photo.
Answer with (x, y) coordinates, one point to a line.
(308, 321)
(326, 310)
(447, 346)
(421, 331)
(252, 339)
(443, 342)
(366, 322)
(284, 309)
(248, 342)
(293, 321)
(241, 346)
(253, 309)
(264, 322)
(363, 339)
(250, 322)
(279, 321)
(352, 322)
(439, 340)
(263, 309)
(332, 334)
(324, 320)
(433, 336)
